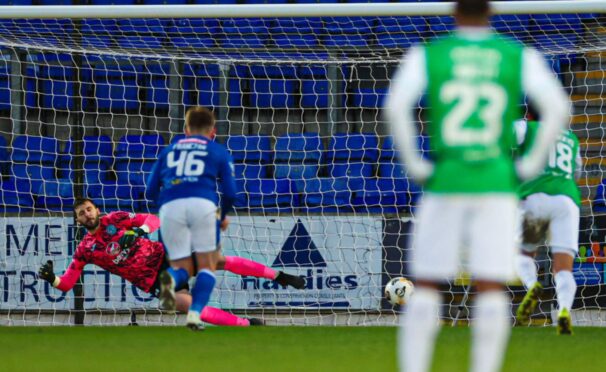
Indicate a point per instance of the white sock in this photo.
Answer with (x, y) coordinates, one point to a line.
(418, 330)
(490, 329)
(566, 288)
(527, 270)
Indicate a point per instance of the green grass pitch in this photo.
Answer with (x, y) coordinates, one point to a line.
(87, 349)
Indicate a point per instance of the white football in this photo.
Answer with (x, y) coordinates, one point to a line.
(398, 291)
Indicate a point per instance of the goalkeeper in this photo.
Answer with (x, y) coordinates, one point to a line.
(116, 242)
(550, 204)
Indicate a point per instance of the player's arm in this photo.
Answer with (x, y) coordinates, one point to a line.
(228, 185)
(137, 225)
(579, 162)
(406, 88)
(154, 181)
(551, 101)
(66, 281)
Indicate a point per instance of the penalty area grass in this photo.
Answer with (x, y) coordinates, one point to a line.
(276, 349)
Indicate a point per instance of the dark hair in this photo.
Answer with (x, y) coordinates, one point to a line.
(199, 118)
(473, 8)
(81, 201)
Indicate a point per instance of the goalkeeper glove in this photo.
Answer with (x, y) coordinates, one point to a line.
(47, 273)
(130, 236)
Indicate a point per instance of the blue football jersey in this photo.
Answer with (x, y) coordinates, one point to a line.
(194, 166)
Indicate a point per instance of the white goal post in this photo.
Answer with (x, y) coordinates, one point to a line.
(90, 94)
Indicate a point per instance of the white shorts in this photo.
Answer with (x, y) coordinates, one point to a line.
(473, 233)
(563, 217)
(189, 225)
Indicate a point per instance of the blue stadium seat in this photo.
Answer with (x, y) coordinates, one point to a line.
(55, 2)
(350, 170)
(510, 23)
(295, 41)
(273, 86)
(391, 170)
(156, 86)
(16, 2)
(55, 196)
(389, 154)
(96, 41)
(556, 41)
(212, 2)
(250, 149)
(4, 158)
(347, 147)
(139, 42)
(315, 87)
(116, 86)
(29, 177)
(5, 92)
(142, 26)
(346, 41)
(271, 194)
(97, 151)
(326, 195)
(242, 41)
(199, 41)
(99, 26)
(249, 26)
(599, 201)
(440, 24)
(132, 172)
(203, 81)
(298, 26)
(13, 199)
(112, 2)
(132, 146)
(250, 171)
(297, 172)
(397, 25)
(266, 1)
(34, 149)
(194, 27)
(317, 1)
(381, 195)
(58, 75)
(349, 25)
(558, 23)
(398, 41)
(168, 2)
(294, 147)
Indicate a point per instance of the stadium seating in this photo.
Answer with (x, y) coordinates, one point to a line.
(326, 195)
(135, 157)
(13, 199)
(303, 148)
(599, 202)
(344, 147)
(5, 93)
(272, 87)
(270, 195)
(4, 157)
(55, 196)
(250, 149)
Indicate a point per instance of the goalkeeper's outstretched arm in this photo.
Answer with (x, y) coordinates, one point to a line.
(66, 281)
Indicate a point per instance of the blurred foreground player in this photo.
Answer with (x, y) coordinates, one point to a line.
(116, 242)
(474, 82)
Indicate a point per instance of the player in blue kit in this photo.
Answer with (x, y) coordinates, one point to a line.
(184, 183)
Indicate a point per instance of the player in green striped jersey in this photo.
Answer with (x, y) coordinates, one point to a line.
(551, 205)
(475, 82)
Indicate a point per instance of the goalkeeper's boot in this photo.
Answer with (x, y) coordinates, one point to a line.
(529, 304)
(564, 322)
(286, 279)
(167, 296)
(256, 322)
(194, 322)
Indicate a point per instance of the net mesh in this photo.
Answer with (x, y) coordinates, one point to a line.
(87, 105)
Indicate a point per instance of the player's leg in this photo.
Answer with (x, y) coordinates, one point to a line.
(492, 226)
(205, 244)
(435, 249)
(215, 316)
(534, 233)
(564, 247)
(177, 241)
(245, 267)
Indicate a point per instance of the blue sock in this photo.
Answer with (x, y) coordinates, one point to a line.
(205, 282)
(180, 277)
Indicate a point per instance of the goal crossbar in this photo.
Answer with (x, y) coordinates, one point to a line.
(289, 10)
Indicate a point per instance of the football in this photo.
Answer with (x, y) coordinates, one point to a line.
(398, 291)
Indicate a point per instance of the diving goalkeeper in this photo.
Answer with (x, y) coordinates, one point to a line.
(116, 242)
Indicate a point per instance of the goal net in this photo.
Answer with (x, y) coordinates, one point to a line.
(87, 104)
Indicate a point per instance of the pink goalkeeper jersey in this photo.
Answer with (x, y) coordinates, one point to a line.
(138, 264)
